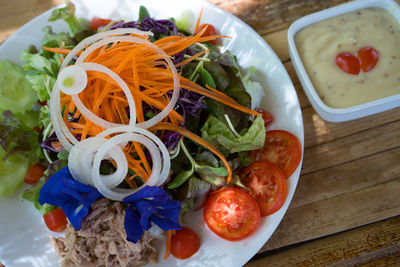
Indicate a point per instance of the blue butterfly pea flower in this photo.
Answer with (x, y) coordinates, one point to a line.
(150, 204)
(73, 197)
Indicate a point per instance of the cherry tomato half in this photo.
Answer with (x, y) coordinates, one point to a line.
(99, 22)
(34, 173)
(282, 148)
(267, 117)
(210, 31)
(267, 183)
(184, 243)
(55, 220)
(231, 213)
(368, 58)
(348, 63)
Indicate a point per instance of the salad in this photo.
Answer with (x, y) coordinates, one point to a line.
(149, 117)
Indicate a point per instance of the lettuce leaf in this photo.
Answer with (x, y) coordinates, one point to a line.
(32, 194)
(42, 67)
(67, 14)
(12, 173)
(220, 135)
(18, 139)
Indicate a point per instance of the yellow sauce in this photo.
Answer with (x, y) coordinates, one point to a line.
(320, 43)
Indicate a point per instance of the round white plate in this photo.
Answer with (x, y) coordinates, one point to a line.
(23, 235)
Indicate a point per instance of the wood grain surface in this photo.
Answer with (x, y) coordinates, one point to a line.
(346, 209)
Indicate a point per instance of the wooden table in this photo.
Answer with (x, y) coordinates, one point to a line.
(346, 208)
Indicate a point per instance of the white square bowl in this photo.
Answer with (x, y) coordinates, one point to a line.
(326, 112)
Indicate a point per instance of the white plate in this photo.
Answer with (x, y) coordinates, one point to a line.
(23, 235)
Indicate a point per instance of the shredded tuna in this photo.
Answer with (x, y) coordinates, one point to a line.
(102, 240)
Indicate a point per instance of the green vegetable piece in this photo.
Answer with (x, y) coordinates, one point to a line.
(193, 188)
(16, 93)
(206, 78)
(219, 75)
(213, 175)
(18, 139)
(12, 174)
(184, 21)
(180, 178)
(143, 13)
(63, 154)
(32, 195)
(67, 14)
(218, 134)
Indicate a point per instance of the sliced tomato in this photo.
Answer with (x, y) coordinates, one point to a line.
(184, 243)
(348, 63)
(210, 31)
(282, 148)
(267, 183)
(34, 173)
(267, 117)
(55, 220)
(231, 213)
(99, 22)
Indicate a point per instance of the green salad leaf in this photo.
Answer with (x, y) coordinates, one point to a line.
(32, 195)
(16, 93)
(67, 14)
(18, 139)
(12, 173)
(220, 135)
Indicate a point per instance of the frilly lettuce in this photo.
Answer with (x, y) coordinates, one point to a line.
(220, 135)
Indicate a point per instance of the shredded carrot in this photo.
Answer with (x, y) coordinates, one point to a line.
(150, 80)
(58, 50)
(194, 138)
(198, 20)
(194, 57)
(168, 243)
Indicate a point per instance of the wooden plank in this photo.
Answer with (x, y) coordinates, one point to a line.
(267, 16)
(14, 14)
(279, 43)
(347, 178)
(336, 214)
(373, 245)
(354, 146)
(317, 131)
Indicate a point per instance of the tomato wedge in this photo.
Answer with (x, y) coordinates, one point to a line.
(34, 173)
(231, 213)
(184, 243)
(267, 117)
(55, 220)
(267, 183)
(96, 22)
(282, 148)
(210, 31)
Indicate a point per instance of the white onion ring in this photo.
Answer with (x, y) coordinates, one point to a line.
(166, 164)
(81, 157)
(77, 75)
(119, 195)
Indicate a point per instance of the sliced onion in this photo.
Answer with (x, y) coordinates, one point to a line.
(72, 80)
(166, 160)
(119, 195)
(80, 162)
(93, 117)
(65, 137)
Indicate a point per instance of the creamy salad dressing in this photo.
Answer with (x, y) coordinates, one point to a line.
(320, 43)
